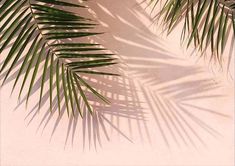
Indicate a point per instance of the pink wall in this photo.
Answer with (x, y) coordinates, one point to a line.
(168, 108)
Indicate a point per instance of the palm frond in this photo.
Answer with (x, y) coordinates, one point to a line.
(40, 33)
(207, 24)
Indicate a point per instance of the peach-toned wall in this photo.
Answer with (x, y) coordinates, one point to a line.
(168, 108)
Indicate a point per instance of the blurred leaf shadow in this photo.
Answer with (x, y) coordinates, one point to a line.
(173, 90)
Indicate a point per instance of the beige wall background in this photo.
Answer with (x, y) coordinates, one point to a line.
(168, 108)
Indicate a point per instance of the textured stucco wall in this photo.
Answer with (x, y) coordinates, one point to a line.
(168, 108)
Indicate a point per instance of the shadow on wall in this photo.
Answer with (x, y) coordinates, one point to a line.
(154, 84)
(125, 105)
(173, 89)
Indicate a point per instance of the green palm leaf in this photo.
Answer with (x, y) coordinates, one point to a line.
(206, 23)
(38, 30)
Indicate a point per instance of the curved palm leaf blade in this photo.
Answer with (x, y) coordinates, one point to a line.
(207, 24)
(39, 31)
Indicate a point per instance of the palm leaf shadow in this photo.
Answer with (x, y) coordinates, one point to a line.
(172, 89)
(94, 128)
(47, 95)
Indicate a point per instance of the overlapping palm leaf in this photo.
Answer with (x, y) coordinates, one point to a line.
(207, 23)
(40, 32)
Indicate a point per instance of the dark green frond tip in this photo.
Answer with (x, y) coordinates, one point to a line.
(207, 24)
(39, 34)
